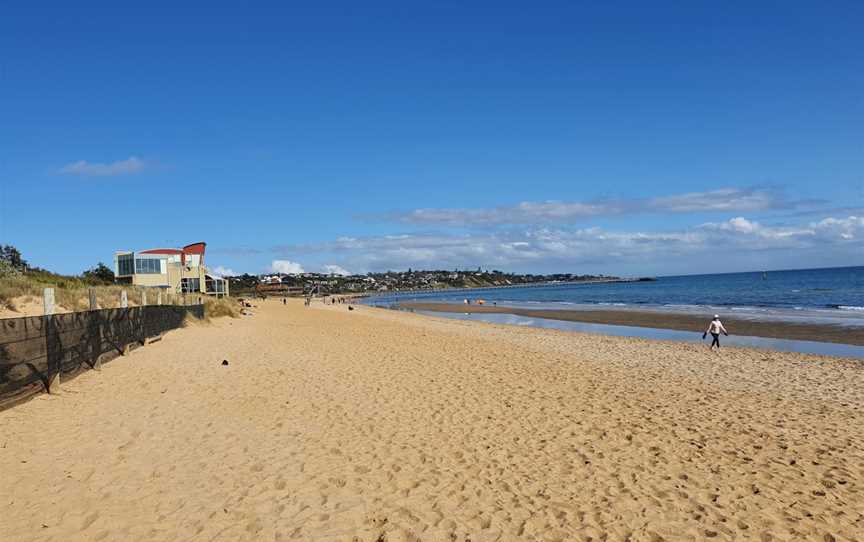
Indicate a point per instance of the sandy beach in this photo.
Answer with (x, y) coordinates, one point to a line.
(666, 320)
(380, 425)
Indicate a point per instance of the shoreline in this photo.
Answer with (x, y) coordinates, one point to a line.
(825, 333)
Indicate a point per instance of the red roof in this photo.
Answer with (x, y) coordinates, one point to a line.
(194, 248)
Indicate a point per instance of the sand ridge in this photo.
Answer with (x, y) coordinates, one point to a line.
(378, 425)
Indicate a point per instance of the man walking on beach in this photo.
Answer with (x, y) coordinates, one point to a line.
(715, 328)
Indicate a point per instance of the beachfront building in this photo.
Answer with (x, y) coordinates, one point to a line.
(177, 270)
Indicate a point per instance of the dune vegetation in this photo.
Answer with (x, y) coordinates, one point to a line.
(22, 287)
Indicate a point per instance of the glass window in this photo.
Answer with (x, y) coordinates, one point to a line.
(147, 265)
(125, 264)
(187, 286)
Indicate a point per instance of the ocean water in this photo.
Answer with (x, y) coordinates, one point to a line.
(831, 295)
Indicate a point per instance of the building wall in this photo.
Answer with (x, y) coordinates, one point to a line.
(172, 270)
(150, 279)
(174, 277)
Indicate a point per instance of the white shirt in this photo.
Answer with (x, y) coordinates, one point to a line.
(716, 327)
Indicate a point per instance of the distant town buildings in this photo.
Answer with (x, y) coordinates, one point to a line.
(391, 281)
(177, 270)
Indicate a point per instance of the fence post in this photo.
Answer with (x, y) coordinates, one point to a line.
(96, 333)
(143, 339)
(124, 300)
(53, 365)
(158, 298)
(48, 301)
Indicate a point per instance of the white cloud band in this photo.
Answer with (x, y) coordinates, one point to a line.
(563, 212)
(538, 248)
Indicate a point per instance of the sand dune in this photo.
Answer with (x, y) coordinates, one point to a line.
(377, 425)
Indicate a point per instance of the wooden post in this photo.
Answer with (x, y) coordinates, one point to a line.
(48, 304)
(143, 339)
(97, 341)
(54, 383)
(158, 298)
(48, 301)
(124, 300)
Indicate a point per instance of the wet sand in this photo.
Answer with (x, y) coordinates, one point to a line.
(377, 425)
(658, 320)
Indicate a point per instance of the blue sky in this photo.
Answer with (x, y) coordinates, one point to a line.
(623, 138)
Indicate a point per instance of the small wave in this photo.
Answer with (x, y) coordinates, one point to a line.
(850, 308)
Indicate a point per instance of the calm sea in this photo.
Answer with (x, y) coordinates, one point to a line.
(833, 295)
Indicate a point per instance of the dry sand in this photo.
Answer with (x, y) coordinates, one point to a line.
(29, 305)
(26, 306)
(331, 425)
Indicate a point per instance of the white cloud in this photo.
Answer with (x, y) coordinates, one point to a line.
(829, 230)
(724, 199)
(220, 271)
(332, 269)
(738, 224)
(847, 229)
(564, 212)
(94, 169)
(286, 266)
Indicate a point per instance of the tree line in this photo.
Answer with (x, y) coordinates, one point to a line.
(12, 262)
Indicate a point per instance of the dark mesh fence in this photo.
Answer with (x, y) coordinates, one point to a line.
(35, 348)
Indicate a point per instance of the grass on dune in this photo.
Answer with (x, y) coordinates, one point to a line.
(226, 306)
(73, 293)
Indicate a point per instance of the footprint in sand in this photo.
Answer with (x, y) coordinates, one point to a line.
(89, 520)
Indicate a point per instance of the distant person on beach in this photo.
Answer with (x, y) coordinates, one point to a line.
(715, 328)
